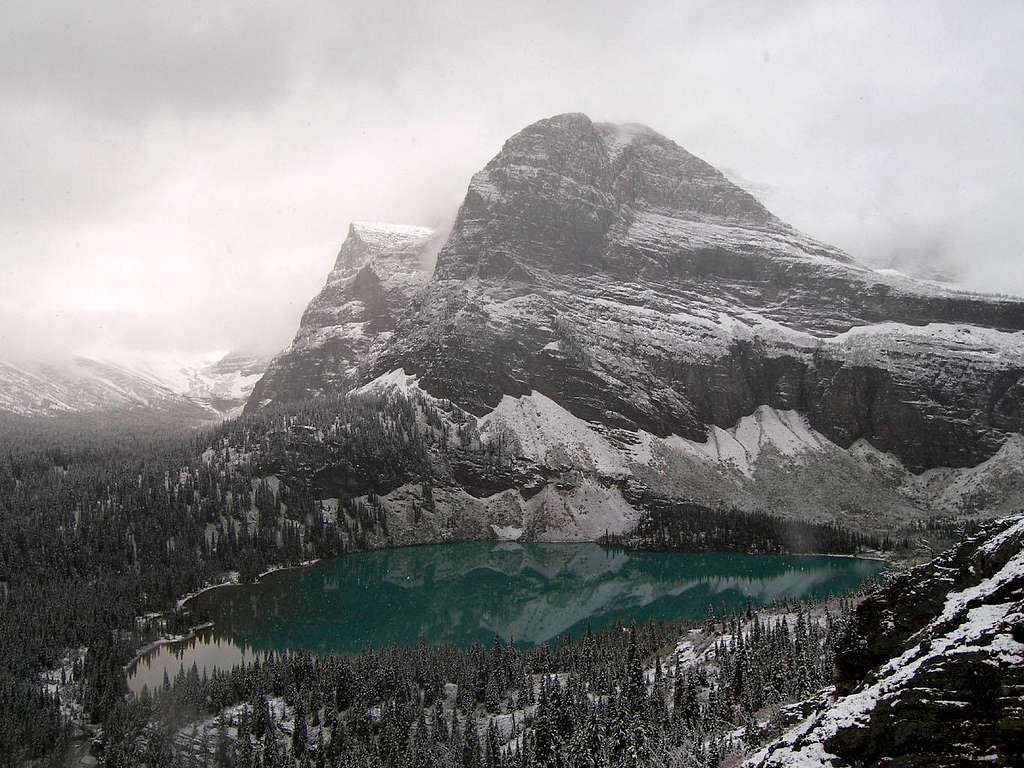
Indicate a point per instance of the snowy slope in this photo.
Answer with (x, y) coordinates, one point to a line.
(226, 383)
(770, 457)
(538, 428)
(946, 697)
(741, 446)
(192, 391)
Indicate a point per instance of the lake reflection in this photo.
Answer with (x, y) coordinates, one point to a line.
(458, 593)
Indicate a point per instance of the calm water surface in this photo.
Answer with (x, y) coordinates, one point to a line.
(459, 593)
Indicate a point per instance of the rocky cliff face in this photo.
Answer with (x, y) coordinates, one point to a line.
(531, 469)
(609, 269)
(933, 668)
(378, 271)
(619, 324)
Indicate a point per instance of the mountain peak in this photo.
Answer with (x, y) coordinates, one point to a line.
(380, 234)
(633, 283)
(622, 277)
(637, 167)
(378, 271)
(565, 193)
(379, 242)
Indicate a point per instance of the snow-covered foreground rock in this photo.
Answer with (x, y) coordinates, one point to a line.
(933, 669)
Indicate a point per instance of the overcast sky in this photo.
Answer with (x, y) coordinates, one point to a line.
(176, 178)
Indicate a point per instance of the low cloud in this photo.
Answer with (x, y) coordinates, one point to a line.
(178, 179)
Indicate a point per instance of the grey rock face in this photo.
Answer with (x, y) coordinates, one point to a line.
(378, 271)
(611, 270)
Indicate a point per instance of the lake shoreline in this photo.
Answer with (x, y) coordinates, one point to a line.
(168, 640)
(231, 579)
(386, 587)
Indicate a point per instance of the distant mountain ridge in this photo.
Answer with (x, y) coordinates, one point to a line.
(189, 394)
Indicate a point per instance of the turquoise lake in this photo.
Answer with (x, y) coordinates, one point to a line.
(460, 593)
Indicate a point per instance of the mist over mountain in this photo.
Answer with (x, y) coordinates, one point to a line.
(184, 393)
(188, 213)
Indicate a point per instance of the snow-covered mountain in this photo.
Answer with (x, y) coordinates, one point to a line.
(622, 317)
(189, 393)
(223, 384)
(632, 283)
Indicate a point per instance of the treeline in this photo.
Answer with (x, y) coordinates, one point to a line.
(99, 526)
(624, 697)
(684, 527)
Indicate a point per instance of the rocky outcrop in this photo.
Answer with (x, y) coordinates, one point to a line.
(533, 465)
(611, 270)
(378, 271)
(932, 672)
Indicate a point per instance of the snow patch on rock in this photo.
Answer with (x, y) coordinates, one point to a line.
(507, 532)
(896, 346)
(384, 236)
(393, 381)
(545, 431)
(785, 432)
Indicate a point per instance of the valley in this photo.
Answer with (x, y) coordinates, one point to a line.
(620, 391)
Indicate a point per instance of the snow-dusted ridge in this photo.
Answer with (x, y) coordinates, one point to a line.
(378, 270)
(742, 464)
(977, 627)
(192, 390)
